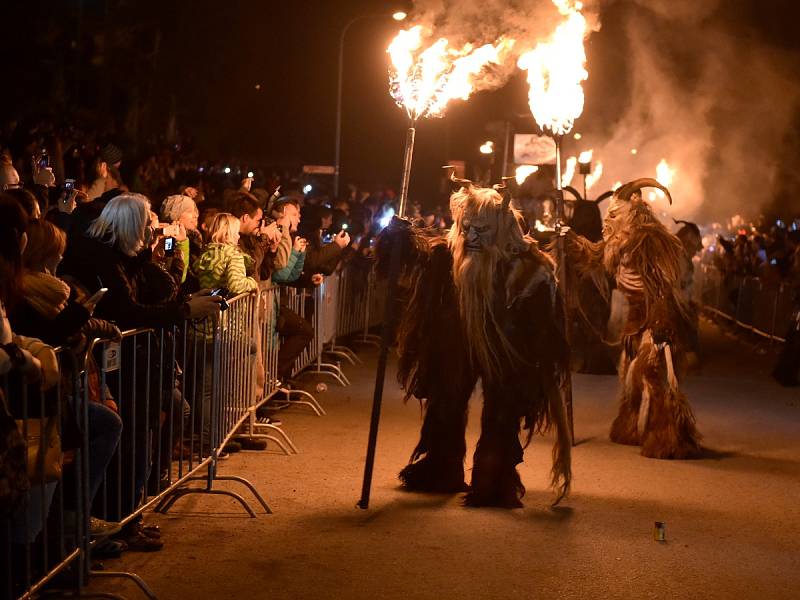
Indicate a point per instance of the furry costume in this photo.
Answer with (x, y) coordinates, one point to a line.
(646, 262)
(588, 307)
(480, 304)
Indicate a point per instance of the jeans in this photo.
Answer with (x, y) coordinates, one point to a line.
(105, 429)
(295, 334)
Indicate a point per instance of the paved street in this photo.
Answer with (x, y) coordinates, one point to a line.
(732, 520)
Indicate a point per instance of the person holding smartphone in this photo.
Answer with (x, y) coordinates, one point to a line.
(181, 211)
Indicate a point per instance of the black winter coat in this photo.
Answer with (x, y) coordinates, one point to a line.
(96, 264)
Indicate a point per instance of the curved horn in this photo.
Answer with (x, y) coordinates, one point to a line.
(505, 192)
(603, 196)
(456, 181)
(624, 193)
(574, 192)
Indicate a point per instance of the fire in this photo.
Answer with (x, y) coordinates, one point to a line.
(616, 186)
(664, 175)
(597, 173)
(424, 80)
(585, 156)
(555, 72)
(525, 171)
(569, 171)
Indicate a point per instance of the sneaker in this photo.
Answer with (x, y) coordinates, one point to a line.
(249, 443)
(98, 528)
(232, 447)
(108, 549)
(139, 542)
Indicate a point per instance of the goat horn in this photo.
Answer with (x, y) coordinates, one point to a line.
(625, 192)
(456, 181)
(574, 192)
(603, 196)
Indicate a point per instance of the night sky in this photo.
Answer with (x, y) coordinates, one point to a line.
(212, 55)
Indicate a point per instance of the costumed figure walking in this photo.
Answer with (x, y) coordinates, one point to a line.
(646, 262)
(480, 303)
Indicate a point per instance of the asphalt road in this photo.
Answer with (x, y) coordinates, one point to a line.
(732, 519)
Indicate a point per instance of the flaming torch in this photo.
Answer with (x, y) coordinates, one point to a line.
(555, 72)
(556, 68)
(424, 80)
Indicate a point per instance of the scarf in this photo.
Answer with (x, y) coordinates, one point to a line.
(46, 294)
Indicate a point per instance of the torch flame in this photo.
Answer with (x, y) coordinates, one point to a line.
(595, 175)
(585, 156)
(569, 171)
(555, 72)
(664, 175)
(423, 81)
(525, 171)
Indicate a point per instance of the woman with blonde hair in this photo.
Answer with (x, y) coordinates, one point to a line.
(223, 264)
(104, 258)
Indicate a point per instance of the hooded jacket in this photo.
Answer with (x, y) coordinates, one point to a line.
(224, 265)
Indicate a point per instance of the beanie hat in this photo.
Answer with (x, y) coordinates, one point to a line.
(174, 206)
(111, 154)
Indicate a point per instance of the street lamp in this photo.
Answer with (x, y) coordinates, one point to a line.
(397, 16)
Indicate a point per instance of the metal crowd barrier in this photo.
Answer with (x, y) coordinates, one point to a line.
(760, 308)
(181, 393)
(317, 306)
(362, 302)
(45, 534)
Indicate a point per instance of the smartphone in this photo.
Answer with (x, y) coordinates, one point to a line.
(69, 184)
(327, 238)
(95, 298)
(169, 246)
(221, 292)
(44, 161)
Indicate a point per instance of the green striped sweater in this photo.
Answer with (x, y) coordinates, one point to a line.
(223, 265)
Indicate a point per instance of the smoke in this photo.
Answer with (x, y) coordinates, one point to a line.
(479, 22)
(706, 94)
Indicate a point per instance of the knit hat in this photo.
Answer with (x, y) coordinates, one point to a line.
(174, 206)
(111, 154)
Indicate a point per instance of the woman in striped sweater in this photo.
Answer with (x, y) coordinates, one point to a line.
(222, 264)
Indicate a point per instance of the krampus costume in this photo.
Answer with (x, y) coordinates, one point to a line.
(646, 263)
(481, 303)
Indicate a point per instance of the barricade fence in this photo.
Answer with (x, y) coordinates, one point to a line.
(141, 418)
(763, 308)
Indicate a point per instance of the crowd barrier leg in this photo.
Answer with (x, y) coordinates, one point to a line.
(233, 395)
(140, 583)
(252, 427)
(306, 399)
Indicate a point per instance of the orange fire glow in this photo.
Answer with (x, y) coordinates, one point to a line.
(556, 69)
(425, 79)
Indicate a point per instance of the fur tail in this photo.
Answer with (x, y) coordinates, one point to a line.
(561, 474)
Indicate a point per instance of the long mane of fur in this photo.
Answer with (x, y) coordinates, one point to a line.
(474, 273)
(645, 247)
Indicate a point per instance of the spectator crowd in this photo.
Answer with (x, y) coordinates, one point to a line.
(91, 247)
